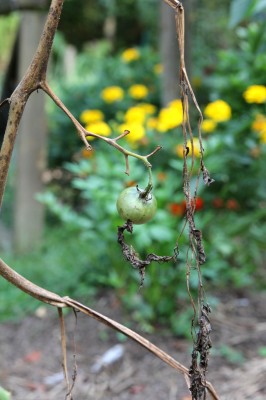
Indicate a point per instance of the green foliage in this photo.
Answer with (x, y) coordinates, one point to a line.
(232, 355)
(8, 28)
(230, 212)
(242, 10)
(4, 395)
(134, 22)
(61, 254)
(262, 351)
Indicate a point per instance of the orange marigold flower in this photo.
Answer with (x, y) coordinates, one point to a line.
(131, 183)
(259, 123)
(161, 176)
(87, 153)
(232, 204)
(198, 204)
(177, 208)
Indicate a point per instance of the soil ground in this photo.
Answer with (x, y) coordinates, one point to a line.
(30, 362)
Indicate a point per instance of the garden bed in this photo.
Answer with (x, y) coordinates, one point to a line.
(30, 364)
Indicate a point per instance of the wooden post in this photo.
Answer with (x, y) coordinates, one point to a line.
(169, 50)
(31, 146)
(169, 54)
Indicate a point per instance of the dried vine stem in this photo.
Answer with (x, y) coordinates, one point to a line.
(201, 335)
(35, 78)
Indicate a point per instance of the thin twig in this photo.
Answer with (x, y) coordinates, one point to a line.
(4, 102)
(63, 346)
(83, 133)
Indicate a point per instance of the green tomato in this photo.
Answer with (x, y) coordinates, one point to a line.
(131, 206)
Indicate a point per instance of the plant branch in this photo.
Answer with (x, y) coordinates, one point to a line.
(4, 102)
(174, 4)
(55, 300)
(83, 133)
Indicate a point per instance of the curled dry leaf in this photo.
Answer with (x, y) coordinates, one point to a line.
(131, 255)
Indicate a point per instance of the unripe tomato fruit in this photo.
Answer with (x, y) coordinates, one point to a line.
(131, 206)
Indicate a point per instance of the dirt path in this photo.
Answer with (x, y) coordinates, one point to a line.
(30, 362)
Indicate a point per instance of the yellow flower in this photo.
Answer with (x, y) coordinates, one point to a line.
(218, 111)
(208, 125)
(138, 91)
(259, 124)
(99, 127)
(135, 114)
(137, 131)
(169, 118)
(88, 116)
(180, 148)
(112, 93)
(255, 94)
(148, 108)
(262, 135)
(177, 103)
(158, 68)
(152, 123)
(130, 55)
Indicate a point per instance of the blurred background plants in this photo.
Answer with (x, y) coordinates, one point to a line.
(117, 87)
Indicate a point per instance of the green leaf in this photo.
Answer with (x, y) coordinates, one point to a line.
(4, 395)
(262, 351)
(160, 233)
(232, 355)
(260, 6)
(239, 10)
